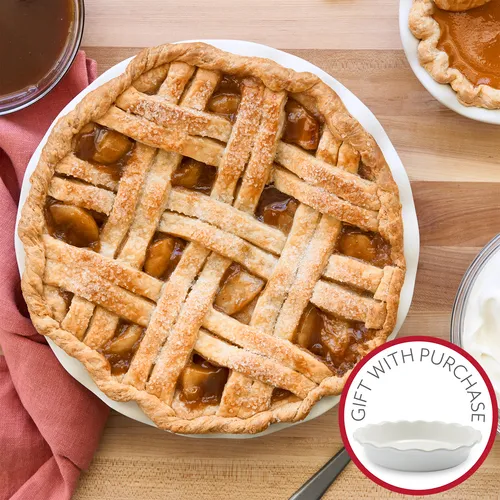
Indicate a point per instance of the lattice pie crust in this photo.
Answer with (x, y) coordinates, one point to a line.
(214, 237)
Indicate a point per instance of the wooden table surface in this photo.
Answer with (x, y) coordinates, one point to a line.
(453, 164)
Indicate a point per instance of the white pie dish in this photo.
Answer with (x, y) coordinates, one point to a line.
(442, 92)
(367, 120)
(417, 446)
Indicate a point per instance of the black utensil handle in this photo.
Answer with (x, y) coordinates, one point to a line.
(316, 487)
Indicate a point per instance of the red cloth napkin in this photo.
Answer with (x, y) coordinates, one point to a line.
(50, 425)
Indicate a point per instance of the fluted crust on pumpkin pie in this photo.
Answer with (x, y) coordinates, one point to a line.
(459, 5)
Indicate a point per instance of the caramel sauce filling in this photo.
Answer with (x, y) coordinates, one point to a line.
(202, 383)
(370, 247)
(335, 341)
(472, 41)
(276, 209)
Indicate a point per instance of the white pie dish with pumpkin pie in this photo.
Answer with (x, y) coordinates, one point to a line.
(452, 47)
(218, 275)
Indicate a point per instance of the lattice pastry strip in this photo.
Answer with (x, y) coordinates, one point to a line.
(225, 217)
(257, 397)
(293, 263)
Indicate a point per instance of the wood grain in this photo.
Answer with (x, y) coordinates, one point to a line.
(454, 167)
(319, 24)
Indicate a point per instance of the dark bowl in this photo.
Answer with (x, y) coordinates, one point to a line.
(23, 98)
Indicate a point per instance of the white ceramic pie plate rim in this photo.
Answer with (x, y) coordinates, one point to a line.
(370, 434)
(369, 122)
(442, 92)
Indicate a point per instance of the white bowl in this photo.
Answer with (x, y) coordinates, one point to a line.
(417, 446)
(442, 92)
(367, 120)
(479, 270)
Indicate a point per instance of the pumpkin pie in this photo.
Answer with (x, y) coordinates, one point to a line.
(460, 46)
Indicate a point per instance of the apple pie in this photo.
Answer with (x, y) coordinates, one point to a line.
(214, 237)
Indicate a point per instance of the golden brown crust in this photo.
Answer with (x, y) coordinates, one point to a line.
(436, 61)
(380, 191)
(459, 5)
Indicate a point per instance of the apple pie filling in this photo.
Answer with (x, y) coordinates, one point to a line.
(192, 174)
(280, 395)
(276, 209)
(202, 383)
(301, 128)
(237, 290)
(120, 350)
(336, 341)
(163, 255)
(363, 245)
(74, 225)
(226, 98)
(107, 148)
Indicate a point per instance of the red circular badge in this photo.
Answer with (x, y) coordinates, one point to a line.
(418, 378)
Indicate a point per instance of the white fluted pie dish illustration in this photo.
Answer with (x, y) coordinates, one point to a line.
(417, 446)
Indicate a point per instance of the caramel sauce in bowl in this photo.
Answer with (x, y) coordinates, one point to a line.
(39, 40)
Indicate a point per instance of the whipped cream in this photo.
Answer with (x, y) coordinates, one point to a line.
(481, 334)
